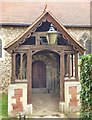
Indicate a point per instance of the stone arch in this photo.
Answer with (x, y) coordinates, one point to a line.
(52, 67)
(46, 58)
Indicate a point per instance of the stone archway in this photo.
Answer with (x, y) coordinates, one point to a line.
(48, 94)
(52, 63)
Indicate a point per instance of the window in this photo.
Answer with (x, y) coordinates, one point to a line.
(88, 46)
(18, 58)
(85, 40)
(24, 69)
(0, 48)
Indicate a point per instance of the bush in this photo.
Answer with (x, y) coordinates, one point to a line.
(86, 86)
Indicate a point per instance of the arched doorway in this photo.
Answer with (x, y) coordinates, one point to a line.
(38, 74)
(45, 78)
(45, 70)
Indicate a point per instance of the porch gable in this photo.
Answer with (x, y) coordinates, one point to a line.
(45, 16)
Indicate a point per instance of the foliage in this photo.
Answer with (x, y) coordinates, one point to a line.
(86, 86)
(4, 105)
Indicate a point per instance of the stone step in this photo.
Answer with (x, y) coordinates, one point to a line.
(39, 90)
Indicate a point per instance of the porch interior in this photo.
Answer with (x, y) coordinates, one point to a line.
(45, 104)
(45, 78)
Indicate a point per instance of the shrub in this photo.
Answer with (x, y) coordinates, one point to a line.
(86, 86)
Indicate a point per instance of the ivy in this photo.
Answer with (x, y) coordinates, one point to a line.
(86, 86)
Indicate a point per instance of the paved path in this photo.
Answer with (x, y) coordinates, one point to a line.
(46, 104)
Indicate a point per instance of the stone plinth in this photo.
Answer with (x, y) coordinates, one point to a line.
(17, 100)
(72, 98)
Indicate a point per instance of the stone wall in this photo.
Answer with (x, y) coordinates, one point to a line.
(8, 34)
(78, 32)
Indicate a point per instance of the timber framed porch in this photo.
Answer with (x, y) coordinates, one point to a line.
(30, 43)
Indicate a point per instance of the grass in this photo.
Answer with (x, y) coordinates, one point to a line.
(3, 105)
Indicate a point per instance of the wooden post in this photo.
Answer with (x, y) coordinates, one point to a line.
(29, 77)
(62, 76)
(37, 40)
(68, 65)
(72, 63)
(13, 67)
(76, 66)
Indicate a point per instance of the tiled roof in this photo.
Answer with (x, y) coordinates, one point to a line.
(68, 13)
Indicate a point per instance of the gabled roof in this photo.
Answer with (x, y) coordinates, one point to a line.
(47, 15)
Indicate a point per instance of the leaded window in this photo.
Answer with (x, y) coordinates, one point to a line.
(85, 40)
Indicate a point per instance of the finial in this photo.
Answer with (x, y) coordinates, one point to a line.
(45, 8)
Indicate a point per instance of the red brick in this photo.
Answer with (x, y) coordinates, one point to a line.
(73, 92)
(18, 106)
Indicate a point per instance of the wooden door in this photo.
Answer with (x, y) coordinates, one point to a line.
(38, 74)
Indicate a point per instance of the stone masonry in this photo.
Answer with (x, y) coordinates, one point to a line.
(7, 34)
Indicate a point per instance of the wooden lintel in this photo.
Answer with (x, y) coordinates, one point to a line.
(21, 51)
(71, 80)
(46, 47)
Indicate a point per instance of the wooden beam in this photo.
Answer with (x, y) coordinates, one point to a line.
(62, 76)
(29, 77)
(71, 80)
(37, 40)
(46, 47)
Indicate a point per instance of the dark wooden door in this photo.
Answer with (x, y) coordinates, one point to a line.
(38, 75)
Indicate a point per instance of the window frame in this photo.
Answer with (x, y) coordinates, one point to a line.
(85, 41)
